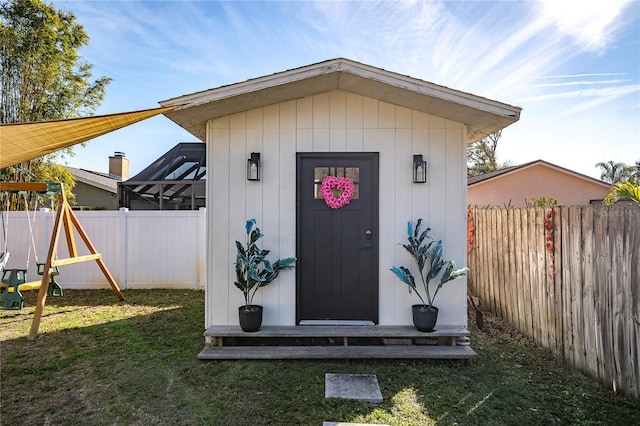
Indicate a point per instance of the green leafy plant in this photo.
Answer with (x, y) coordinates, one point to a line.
(542, 202)
(253, 269)
(624, 190)
(427, 253)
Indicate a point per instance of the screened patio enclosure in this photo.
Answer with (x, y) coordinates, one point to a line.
(175, 181)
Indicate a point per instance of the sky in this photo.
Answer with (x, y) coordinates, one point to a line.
(572, 66)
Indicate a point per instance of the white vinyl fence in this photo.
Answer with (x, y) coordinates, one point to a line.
(142, 249)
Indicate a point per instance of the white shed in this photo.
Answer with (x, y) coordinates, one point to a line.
(342, 118)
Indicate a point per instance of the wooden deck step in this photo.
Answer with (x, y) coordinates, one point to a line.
(313, 331)
(335, 342)
(337, 352)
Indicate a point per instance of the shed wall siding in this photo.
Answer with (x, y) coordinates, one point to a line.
(336, 121)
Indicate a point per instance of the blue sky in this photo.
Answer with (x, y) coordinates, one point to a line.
(573, 66)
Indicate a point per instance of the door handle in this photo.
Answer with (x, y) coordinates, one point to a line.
(368, 234)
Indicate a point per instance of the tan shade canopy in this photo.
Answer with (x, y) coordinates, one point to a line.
(24, 141)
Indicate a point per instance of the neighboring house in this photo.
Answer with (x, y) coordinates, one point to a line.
(99, 191)
(343, 118)
(515, 186)
(175, 181)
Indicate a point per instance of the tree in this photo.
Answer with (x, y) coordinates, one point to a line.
(623, 190)
(635, 171)
(613, 172)
(481, 155)
(42, 77)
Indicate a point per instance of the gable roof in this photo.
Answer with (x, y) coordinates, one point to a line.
(482, 116)
(96, 179)
(515, 169)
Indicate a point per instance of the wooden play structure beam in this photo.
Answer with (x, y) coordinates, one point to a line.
(67, 220)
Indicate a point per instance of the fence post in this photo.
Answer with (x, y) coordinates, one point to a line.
(45, 234)
(124, 245)
(201, 255)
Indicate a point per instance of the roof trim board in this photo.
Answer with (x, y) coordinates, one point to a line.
(482, 116)
(476, 180)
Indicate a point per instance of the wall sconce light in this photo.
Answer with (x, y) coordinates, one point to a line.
(419, 169)
(253, 166)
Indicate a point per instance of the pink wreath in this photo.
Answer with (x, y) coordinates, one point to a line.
(339, 184)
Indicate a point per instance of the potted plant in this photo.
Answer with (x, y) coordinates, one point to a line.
(427, 253)
(254, 270)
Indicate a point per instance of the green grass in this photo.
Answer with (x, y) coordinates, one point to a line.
(100, 361)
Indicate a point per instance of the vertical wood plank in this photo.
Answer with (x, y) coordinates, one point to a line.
(270, 187)
(541, 268)
(515, 268)
(479, 263)
(609, 304)
(533, 274)
(287, 227)
(486, 259)
(567, 330)
(512, 222)
(502, 265)
(588, 294)
(218, 236)
(549, 253)
(526, 275)
(633, 231)
(472, 254)
(616, 229)
(601, 292)
(493, 284)
(576, 286)
(628, 347)
(557, 281)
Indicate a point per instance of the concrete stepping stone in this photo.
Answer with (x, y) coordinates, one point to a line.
(362, 387)
(349, 424)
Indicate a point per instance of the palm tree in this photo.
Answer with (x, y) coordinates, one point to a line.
(613, 172)
(623, 190)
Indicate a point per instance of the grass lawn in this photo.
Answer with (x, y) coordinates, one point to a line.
(101, 361)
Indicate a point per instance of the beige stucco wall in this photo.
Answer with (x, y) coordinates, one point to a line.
(538, 180)
(335, 121)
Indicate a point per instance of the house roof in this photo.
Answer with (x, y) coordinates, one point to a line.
(482, 116)
(185, 161)
(97, 179)
(515, 169)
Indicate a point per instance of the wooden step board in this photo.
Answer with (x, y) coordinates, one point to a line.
(337, 352)
(411, 343)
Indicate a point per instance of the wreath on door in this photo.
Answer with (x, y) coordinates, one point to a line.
(332, 185)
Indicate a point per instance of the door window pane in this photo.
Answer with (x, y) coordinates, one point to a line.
(352, 173)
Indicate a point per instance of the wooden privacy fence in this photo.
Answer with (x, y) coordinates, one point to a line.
(568, 277)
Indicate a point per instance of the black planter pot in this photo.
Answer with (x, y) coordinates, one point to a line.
(250, 317)
(424, 319)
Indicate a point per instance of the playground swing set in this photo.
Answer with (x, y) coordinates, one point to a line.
(14, 280)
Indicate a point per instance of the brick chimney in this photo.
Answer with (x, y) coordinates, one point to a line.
(119, 165)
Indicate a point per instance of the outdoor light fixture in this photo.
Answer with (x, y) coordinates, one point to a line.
(253, 166)
(419, 169)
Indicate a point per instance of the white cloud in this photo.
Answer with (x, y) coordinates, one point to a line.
(591, 23)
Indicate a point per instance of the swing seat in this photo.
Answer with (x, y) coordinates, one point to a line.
(11, 298)
(54, 289)
(14, 281)
(33, 285)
